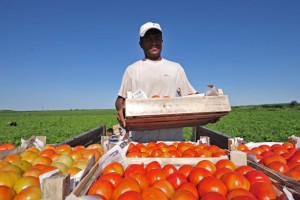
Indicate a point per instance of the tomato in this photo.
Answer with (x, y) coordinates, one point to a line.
(211, 184)
(204, 153)
(164, 186)
(295, 157)
(156, 153)
(75, 155)
(244, 197)
(114, 167)
(150, 144)
(273, 157)
(206, 164)
(141, 179)
(3, 163)
(134, 155)
(278, 166)
(212, 148)
(47, 153)
(220, 172)
(12, 158)
(63, 149)
(197, 174)
(254, 176)
(288, 145)
(9, 178)
(234, 180)
(265, 147)
(242, 147)
(125, 185)
(89, 153)
(263, 190)
(41, 160)
(190, 187)
(293, 174)
(185, 169)
(238, 192)
(182, 194)
(176, 179)
(243, 169)
(155, 175)
(152, 193)
(101, 187)
(65, 159)
(292, 164)
(6, 193)
(219, 153)
(175, 154)
(6, 146)
(31, 192)
(153, 165)
(25, 182)
(134, 168)
(257, 150)
(225, 163)
(189, 153)
(132, 195)
(113, 177)
(213, 196)
(32, 172)
(169, 169)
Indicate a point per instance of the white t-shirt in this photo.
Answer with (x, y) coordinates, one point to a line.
(161, 78)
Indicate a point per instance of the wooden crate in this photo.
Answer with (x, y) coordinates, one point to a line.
(159, 113)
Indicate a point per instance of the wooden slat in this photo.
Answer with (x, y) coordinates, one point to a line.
(90, 137)
(216, 138)
(56, 187)
(171, 121)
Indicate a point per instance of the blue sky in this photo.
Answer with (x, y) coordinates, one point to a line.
(71, 54)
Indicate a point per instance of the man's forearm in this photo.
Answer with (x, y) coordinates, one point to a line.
(119, 103)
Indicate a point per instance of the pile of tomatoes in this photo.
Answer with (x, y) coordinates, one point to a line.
(19, 173)
(173, 150)
(283, 158)
(222, 180)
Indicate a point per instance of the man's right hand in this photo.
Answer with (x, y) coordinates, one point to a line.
(120, 117)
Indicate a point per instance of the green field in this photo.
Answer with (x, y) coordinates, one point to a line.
(253, 123)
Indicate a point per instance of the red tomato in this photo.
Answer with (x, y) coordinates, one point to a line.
(6, 193)
(263, 190)
(255, 176)
(243, 169)
(181, 194)
(101, 187)
(175, 154)
(141, 179)
(189, 153)
(185, 169)
(207, 164)
(225, 163)
(189, 187)
(153, 165)
(132, 195)
(113, 177)
(169, 169)
(242, 147)
(213, 196)
(293, 174)
(156, 153)
(211, 184)
(273, 157)
(288, 145)
(155, 175)
(244, 197)
(197, 174)
(114, 167)
(265, 147)
(134, 168)
(164, 186)
(7, 146)
(220, 172)
(238, 192)
(152, 193)
(204, 153)
(127, 184)
(278, 167)
(234, 180)
(176, 179)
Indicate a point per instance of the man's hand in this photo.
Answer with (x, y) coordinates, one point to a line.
(120, 103)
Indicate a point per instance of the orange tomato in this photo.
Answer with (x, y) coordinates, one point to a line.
(185, 169)
(211, 184)
(243, 169)
(204, 153)
(155, 175)
(141, 179)
(164, 186)
(47, 153)
(6, 193)
(181, 194)
(255, 176)
(152, 193)
(190, 187)
(25, 182)
(31, 192)
(293, 174)
(153, 165)
(233, 180)
(134, 168)
(90, 152)
(7, 146)
(220, 172)
(127, 184)
(114, 167)
(103, 188)
(225, 163)
(262, 190)
(176, 179)
(197, 174)
(132, 195)
(207, 164)
(113, 177)
(238, 192)
(63, 149)
(278, 166)
(288, 145)
(242, 147)
(273, 157)
(169, 169)
(213, 196)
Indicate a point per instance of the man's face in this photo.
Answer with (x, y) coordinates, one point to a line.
(151, 43)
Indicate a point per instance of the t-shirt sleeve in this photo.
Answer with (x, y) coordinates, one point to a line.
(125, 85)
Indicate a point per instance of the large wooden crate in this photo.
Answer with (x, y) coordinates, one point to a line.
(188, 111)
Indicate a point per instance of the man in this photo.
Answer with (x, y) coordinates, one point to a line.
(156, 76)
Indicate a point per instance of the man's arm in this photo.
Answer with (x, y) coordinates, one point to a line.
(120, 103)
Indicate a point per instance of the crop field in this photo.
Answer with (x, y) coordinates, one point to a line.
(253, 123)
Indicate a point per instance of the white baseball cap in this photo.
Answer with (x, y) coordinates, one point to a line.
(147, 26)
